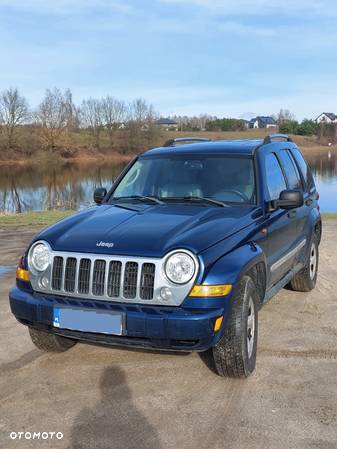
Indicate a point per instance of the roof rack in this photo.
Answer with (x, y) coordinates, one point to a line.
(269, 139)
(183, 140)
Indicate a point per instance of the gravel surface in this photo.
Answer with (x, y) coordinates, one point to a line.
(109, 398)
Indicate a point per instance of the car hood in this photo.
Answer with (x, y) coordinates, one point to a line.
(145, 230)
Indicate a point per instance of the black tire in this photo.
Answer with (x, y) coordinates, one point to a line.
(233, 356)
(305, 280)
(50, 342)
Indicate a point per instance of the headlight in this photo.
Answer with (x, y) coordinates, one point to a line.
(39, 257)
(180, 268)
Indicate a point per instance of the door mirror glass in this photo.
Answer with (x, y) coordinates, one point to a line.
(99, 195)
(290, 199)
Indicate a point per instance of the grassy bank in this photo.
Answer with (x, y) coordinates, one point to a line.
(77, 147)
(33, 218)
(49, 217)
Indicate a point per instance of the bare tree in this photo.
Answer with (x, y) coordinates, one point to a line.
(52, 116)
(141, 124)
(284, 115)
(140, 111)
(13, 112)
(91, 113)
(113, 114)
(71, 111)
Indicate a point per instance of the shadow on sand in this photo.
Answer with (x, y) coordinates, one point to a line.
(114, 422)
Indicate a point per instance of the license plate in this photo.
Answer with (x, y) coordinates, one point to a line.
(88, 320)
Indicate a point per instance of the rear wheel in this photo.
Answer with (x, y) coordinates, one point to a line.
(50, 342)
(305, 280)
(235, 354)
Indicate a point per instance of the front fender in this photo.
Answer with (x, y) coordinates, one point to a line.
(230, 268)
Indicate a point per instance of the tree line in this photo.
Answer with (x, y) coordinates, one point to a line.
(57, 116)
(57, 123)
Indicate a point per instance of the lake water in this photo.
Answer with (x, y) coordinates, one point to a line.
(71, 186)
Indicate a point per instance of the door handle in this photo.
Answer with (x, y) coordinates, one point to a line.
(308, 202)
(292, 214)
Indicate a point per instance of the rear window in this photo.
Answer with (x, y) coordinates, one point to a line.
(291, 170)
(305, 170)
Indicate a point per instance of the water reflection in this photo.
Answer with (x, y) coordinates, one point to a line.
(324, 168)
(65, 187)
(71, 186)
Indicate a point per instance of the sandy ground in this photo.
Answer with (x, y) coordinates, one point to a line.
(107, 398)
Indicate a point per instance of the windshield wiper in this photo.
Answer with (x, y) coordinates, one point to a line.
(140, 198)
(197, 198)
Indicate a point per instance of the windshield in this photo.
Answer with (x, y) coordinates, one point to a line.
(229, 179)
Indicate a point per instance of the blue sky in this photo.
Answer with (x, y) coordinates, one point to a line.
(224, 57)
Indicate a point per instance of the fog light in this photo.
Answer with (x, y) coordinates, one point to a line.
(166, 293)
(44, 282)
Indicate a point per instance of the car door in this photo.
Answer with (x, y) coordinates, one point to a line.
(280, 224)
(309, 193)
(295, 182)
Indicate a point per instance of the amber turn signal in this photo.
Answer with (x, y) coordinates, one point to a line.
(22, 275)
(210, 290)
(218, 323)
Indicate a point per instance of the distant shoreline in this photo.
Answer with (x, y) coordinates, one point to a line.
(85, 154)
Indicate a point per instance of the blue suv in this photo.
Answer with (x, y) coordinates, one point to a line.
(180, 254)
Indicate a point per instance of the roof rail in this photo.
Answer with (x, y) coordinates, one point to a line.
(269, 139)
(182, 140)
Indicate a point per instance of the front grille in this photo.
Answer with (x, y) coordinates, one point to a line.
(98, 278)
(114, 279)
(70, 275)
(130, 280)
(103, 278)
(147, 281)
(84, 276)
(57, 273)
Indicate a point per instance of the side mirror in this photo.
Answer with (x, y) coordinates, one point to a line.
(99, 195)
(289, 199)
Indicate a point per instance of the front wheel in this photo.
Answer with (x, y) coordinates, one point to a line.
(235, 354)
(50, 342)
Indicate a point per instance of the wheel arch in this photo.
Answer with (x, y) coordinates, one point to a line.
(248, 259)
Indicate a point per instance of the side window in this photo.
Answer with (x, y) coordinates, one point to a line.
(290, 169)
(274, 177)
(307, 176)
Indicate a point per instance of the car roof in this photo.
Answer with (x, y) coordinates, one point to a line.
(244, 147)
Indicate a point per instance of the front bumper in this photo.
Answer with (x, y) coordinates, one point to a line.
(155, 327)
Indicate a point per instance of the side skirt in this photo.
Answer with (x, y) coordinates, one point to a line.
(282, 283)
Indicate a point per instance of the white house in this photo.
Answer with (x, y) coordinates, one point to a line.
(326, 117)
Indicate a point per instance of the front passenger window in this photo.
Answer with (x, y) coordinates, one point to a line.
(274, 177)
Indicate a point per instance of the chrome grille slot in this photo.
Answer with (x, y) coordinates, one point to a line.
(70, 275)
(84, 276)
(130, 280)
(98, 278)
(114, 278)
(147, 281)
(57, 273)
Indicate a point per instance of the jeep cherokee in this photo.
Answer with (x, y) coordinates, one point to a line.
(180, 254)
